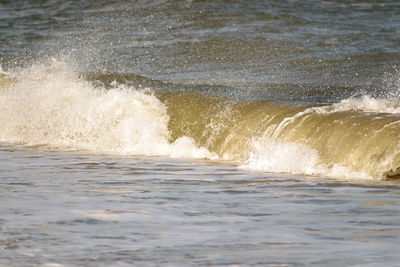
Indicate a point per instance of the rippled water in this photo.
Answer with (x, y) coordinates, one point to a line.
(327, 43)
(90, 209)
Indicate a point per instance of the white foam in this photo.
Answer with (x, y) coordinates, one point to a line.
(365, 103)
(101, 215)
(51, 105)
(53, 264)
(293, 158)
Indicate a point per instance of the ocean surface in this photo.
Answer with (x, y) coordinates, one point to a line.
(193, 133)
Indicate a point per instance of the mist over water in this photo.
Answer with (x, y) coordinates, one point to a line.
(199, 132)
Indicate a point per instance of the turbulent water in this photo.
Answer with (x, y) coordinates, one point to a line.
(270, 96)
(50, 104)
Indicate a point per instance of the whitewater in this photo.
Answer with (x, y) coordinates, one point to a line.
(199, 133)
(53, 105)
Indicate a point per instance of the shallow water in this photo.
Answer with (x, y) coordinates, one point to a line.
(199, 133)
(69, 208)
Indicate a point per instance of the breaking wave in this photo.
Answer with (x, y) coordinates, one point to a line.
(50, 104)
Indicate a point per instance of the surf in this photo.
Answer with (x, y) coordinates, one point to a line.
(53, 105)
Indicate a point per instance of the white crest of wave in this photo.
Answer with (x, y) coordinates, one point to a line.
(292, 158)
(51, 105)
(388, 100)
(367, 104)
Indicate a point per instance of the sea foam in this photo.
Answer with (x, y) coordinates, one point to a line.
(50, 105)
(274, 156)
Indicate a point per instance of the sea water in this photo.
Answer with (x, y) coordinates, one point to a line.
(70, 208)
(199, 133)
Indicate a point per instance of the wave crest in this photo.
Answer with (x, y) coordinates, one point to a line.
(51, 105)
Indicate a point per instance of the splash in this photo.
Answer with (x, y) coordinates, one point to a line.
(364, 103)
(51, 105)
(357, 137)
(293, 158)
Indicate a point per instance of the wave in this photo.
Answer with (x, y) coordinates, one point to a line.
(50, 104)
(344, 139)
